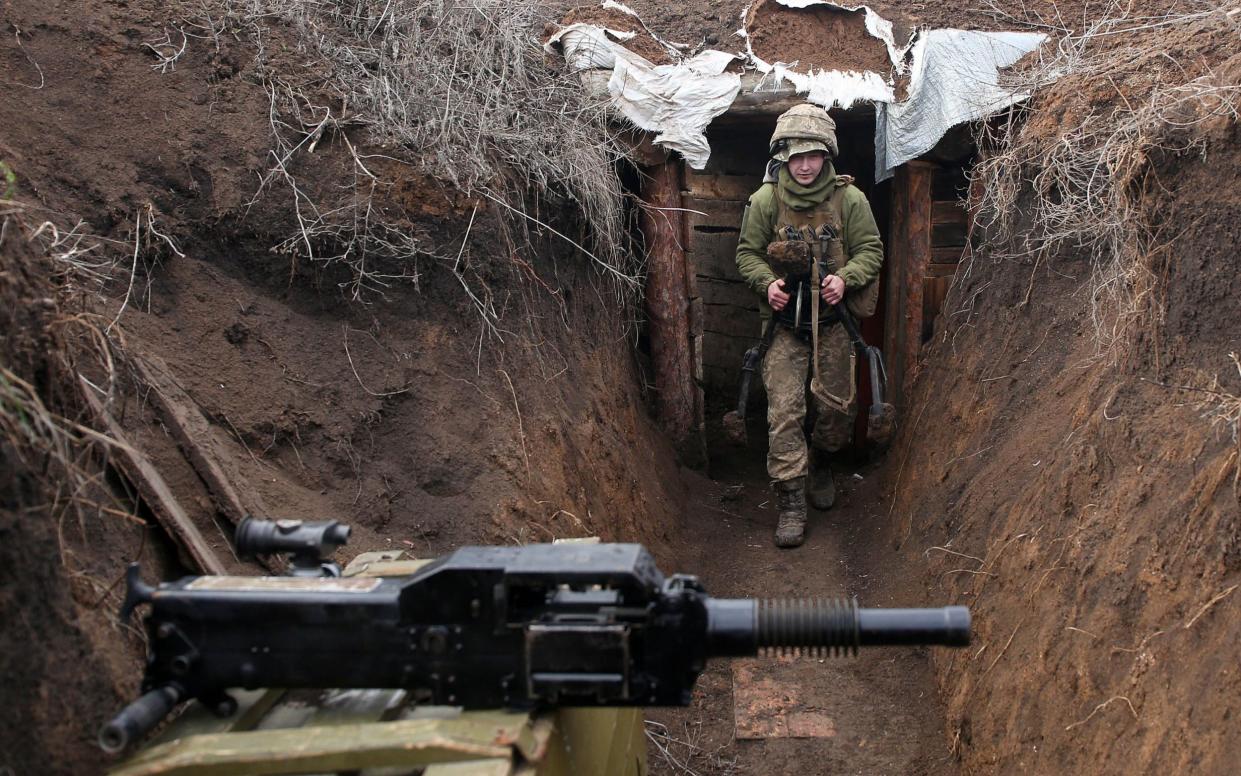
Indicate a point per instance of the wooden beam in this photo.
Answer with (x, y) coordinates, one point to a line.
(155, 492)
(908, 259)
(721, 186)
(185, 421)
(678, 403)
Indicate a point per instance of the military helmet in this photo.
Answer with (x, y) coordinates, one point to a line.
(802, 129)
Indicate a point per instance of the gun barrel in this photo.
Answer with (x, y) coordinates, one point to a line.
(742, 626)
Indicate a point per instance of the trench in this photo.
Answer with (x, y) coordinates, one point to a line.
(877, 712)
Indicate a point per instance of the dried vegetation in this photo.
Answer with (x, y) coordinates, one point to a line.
(1076, 177)
(54, 462)
(459, 91)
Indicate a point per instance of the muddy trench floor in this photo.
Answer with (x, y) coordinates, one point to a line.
(877, 713)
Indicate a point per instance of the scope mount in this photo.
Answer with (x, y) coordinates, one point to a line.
(308, 545)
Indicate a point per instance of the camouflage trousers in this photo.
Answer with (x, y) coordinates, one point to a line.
(786, 374)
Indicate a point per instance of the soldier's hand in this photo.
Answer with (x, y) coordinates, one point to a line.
(776, 296)
(833, 289)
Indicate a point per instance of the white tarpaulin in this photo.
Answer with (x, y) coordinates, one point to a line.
(955, 79)
(676, 101)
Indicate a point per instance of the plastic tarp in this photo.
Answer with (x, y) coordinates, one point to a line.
(675, 101)
(955, 79)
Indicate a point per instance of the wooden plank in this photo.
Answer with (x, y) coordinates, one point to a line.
(697, 314)
(193, 433)
(403, 743)
(735, 293)
(730, 320)
(935, 290)
(724, 351)
(713, 214)
(346, 707)
(909, 257)
(737, 150)
(698, 345)
(197, 720)
(600, 742)
(499, 766)
(952, 212)
(941, 270)
(947, 255)
(717, 249)
(721, 186)
(949, 182)
(761, 96)
(155, 492)
(949, 235)
(667, 306)
(713, 266)
(726, 381)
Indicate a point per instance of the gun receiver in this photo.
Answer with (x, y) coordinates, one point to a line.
(484, 627)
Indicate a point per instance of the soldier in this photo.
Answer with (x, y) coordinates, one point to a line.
(803, 197)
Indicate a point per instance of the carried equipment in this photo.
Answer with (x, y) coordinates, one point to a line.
(795, 261)
(536, 626)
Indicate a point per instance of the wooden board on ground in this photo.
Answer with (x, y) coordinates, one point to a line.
(770, 703)
(405, 743)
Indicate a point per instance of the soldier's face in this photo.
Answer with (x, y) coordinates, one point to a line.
(806, 167)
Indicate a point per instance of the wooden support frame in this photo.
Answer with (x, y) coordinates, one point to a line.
(670, 309)
(909, 255)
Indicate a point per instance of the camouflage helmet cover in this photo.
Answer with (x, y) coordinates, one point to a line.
(802, 129)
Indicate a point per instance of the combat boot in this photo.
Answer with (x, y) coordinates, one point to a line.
(822, 490)
(791, 501)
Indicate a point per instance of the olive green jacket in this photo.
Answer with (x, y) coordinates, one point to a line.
(859, 234)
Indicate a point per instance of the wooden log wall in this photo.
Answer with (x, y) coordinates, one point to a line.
(929, 231)
(909, 254)
(671, 307)
(729, 308)
(950, 226)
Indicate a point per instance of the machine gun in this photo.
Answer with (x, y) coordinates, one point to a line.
(485, 627)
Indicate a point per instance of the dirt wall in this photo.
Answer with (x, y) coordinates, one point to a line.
(1083, 503)
(414, 415)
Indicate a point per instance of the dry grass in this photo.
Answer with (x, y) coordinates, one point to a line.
(687, 755)
(1223, 407)
(1072, 175)
(55, 461)
(459, 91)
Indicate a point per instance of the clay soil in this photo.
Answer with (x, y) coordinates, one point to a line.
(400, 414)
(715, 23)
(815, 38)
(1081, 505)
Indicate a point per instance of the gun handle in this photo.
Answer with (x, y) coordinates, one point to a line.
(138, 718)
